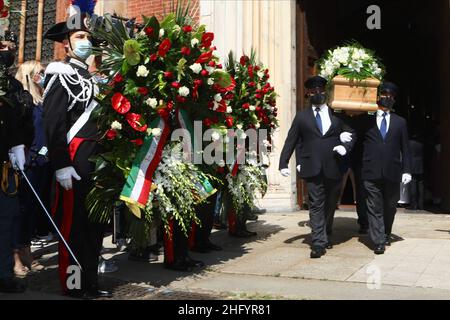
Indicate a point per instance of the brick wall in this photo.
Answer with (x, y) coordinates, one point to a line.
(137, 8)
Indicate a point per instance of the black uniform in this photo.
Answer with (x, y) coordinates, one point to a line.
(384, 161)
(320, 168)
(64, 82)
(417, 193)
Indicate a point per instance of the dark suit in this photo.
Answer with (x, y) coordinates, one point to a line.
(417, 184)
(384, 162)
(320, 168)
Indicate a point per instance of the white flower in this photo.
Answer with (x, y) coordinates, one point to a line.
(176, 28)
(161, 32)
(194, 42)
(183, 91)
(215, 136)
(116, 125)
(156, 132)
(239, 126)
(196, 68)
(142, 71)
(210, 81)
(152, 102)
(218, 97)
(261, 73)
(257, 125)
(210, 69)
(229, 109)
(252, 108)
(216, 106)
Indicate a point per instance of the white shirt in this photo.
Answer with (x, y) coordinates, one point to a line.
(380, 118)
(324, 116)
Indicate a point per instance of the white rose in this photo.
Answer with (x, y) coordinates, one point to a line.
(252, 108)
(156, 132)
(142, 71)
(215, 136)
(161, 32)
(210, 81)
(194, 42)
(183, 91)
(196, 68)
(116, 125)
(261, 74)
(229, 109)
(218, 97)
(152, 102)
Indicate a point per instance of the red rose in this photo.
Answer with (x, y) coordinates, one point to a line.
(212, 63)
(148, 31)
(258, 96)
(251, 84)
(111, 134)
(229, 96)
(185, 51)
(118, 78)
(164, 47)
(243, 61)
(163, 113)
(168, 75)
(120, 103)
(138, 142)
(134, 120)
(143, 91)
(207, 122)
(204, 73)
(245, 106)
(250, 71)
(257, 68)
(207, 39)
(187, 29)
(176, 85)
(204, 57)
(153, 57)
(181, 99)
(258, 108)
(229, 121)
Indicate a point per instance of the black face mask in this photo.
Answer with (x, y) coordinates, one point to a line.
(6, 58)
(318, 98)
(386, 102)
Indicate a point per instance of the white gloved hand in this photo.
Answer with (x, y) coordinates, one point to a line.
(406, 178)
(64, 177)
(345, 137)
(341, 150)
(298, 168)
(285, 172)
(17, 157)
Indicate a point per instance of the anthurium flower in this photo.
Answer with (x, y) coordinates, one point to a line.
(204, 57)
(131, 49)
(138, 142)
(120, 103)
(229, 121)
(164, 47)
(207, 39)
(149, 31)
(134, 120)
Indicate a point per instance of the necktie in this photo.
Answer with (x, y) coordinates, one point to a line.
(319, 120)
(383, 127)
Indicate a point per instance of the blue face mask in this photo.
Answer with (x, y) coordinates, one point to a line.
(83, 49)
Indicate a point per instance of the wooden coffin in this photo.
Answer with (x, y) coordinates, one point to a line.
(354, 96)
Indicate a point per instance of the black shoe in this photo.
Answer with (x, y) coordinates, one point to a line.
(96, 294)
(317, 252)
(194, 263)
(387, 241)
(329, 245)
(363, 230)
(213, 247)
(379, 249)
(178, 266)
(252, 217)
(11, 286)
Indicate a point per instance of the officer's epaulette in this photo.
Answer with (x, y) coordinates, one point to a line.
(60, 68)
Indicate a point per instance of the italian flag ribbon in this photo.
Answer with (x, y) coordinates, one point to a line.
(205, 187)
(138, 186)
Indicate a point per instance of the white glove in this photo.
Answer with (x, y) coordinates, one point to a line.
(285, 172)
(298, 168)
(406, 178)
(17, 157)
(341, 150)
(64, 177)
(345, 137)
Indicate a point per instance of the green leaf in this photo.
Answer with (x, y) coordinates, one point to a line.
(222, 78)
(180, 68)
(169, 22)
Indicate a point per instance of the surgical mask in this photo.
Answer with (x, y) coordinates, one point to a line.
(386, 102)
(6, 58)
(318, 99)
(83, 49)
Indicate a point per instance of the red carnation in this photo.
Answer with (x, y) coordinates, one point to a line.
(148, 31)
(187, 29)
(251, 84)
(257, 68)
(243, 61)
(229, 96)
(168, 75)
(207, 39)
(207, 122)
(229, 121)
(164, 47)
(258, 96)
(118, 78)
(111, 134)
(250, 71)
(204, 73)
(120, 103)
(185, 51)
(143, 91)
(212, 63)
(134, 120)
(153, 57)
(245, 106)
(204, 57)
(176, 85)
